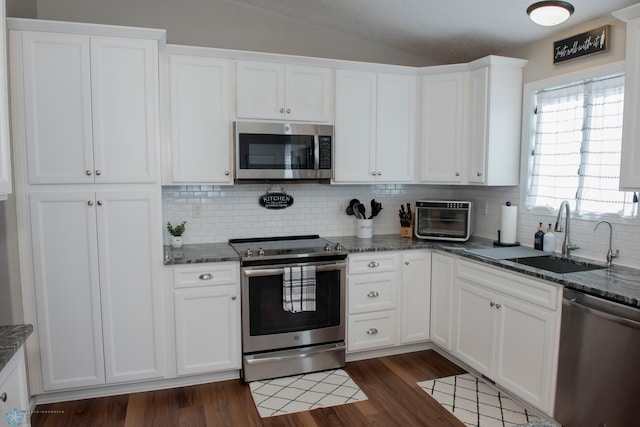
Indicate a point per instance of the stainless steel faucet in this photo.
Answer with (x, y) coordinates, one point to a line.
(610, 254)
(567, 247)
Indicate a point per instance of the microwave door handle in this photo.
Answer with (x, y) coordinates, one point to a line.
(316, 151)
(280, 271)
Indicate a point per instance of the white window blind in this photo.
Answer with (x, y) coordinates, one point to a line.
(576, 151)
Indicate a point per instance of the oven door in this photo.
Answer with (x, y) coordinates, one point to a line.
(267, 326)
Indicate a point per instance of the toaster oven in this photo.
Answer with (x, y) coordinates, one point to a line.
(443, 220)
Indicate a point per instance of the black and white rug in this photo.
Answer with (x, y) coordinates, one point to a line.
(304, 392)
(476, 403)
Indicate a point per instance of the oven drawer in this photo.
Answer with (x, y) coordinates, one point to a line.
(223, 273)
(372, 330)
(374, 262)
(373, 292)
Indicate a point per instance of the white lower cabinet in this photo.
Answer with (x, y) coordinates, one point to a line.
(388, 299)
(506, 327)
(13, 389)
(207, 318)
(442, 278)
(97, 259)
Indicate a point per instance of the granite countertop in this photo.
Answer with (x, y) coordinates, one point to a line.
(618, 283)
(11, 338)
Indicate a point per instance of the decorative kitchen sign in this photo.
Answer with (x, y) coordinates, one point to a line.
(589, 43)
(275, 199)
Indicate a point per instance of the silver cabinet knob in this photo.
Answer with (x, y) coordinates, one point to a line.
(226, 173)
(233, 297)
(205, 276)
(373, 294)
(492, 304)
(457, 173)
(100, 203)
(372, 331)
(282, 110)
(90, 202)
(3, 397)
(498, 305)
(373, 264)
(88, 172)
(288, 110)
(98, 172)
(406, 263)
(379, 173)
(479, 173)
(373, 173)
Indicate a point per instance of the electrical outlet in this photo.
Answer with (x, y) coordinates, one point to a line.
(197, 211)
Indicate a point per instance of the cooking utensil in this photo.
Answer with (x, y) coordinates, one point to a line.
(352, 203)
(361, 210)
(376, 207)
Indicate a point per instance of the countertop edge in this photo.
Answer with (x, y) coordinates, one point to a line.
(11, 338)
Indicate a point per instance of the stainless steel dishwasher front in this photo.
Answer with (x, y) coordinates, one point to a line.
(599, 363)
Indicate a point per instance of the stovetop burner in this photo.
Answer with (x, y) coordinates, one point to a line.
(282, 247)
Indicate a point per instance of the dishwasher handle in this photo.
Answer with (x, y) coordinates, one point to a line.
(607, 310)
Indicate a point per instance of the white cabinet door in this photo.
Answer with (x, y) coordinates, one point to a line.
(416, 291)
(57, 91)
(207, 329)
(308, 93)
(260, 90)
(525, 350)
(130, 256)
(395, 132)
(5, 151)
(355, 126)
(124, 81)
(65, 259)
(200, 120)
(630, 160)
(474, 326)
(13, 386)
(442, 278)
(478, 122)
(443, 129)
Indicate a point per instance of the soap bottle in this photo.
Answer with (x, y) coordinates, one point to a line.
(538, 241)
(549, 240)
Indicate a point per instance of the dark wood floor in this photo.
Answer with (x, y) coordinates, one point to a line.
(388, 382)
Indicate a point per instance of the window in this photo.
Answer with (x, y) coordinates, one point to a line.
(576, 148)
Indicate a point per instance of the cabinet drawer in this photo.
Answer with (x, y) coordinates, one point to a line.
(516, 285)
(372, 330)
(373, 263)
(372, 292)
(206, 275)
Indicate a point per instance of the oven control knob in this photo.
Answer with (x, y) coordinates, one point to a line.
(328, 247)
(249, 252)
(338, 247)
(260, 252)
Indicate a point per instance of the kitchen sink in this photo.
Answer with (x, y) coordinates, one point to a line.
(557, 264)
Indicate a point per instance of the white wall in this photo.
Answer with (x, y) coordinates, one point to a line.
(227, 24)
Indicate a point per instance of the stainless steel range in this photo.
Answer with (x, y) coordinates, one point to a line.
(293, 305)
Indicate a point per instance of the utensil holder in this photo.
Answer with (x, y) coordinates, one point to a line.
(364, 228)
(406, 232)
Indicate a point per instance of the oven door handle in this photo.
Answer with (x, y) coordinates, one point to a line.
(280, 271)
(255, 359)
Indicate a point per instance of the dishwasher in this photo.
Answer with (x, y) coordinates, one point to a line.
(599, 363)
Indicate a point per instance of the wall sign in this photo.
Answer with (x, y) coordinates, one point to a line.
(585, 44)
(275, 200)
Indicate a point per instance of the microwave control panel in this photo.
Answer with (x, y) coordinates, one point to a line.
(324, 150)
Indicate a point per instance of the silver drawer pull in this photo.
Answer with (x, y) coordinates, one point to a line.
(205, 276)
(372, 331)
(373, 294)
(374, 264)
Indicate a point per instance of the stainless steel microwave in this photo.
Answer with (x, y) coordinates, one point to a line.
(443, 220)
(276, 151)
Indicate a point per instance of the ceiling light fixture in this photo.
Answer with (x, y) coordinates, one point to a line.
(548, 13)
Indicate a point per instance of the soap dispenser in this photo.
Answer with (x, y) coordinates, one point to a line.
(549, 240)
(538, 241)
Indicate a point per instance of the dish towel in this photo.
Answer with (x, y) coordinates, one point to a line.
(299, 289)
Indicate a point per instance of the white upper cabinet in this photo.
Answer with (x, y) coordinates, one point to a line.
(494, 124)
(5, 152)
(274, 91)
(471, 123)
(443, 98)
(374, 127)
(91, 108)
(630, 160)
(200, 119)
